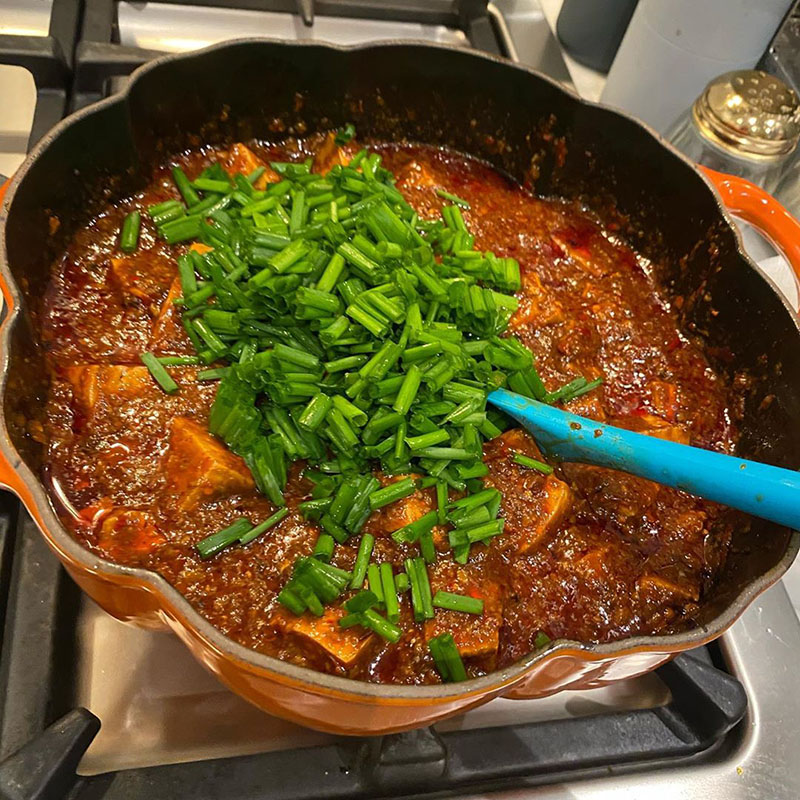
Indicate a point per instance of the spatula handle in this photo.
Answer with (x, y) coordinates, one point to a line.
(759, 489)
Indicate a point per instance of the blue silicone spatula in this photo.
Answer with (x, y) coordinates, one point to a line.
(759, 489)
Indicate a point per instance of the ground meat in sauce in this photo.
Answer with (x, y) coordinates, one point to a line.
(588, 553)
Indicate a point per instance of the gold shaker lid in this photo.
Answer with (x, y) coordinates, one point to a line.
(749, 112)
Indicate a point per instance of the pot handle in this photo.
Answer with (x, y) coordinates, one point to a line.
(754, 205)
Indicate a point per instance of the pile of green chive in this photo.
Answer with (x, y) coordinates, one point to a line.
(347, 332)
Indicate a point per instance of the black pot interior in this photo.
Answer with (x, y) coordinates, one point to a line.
(515, 120)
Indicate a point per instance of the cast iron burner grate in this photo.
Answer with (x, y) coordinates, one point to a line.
(42, 738)
(101, 62)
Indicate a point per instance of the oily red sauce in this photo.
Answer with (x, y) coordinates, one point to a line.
(588, 554)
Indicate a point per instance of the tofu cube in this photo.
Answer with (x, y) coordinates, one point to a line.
(199, 468)
(91, 382)
(125, 530)
(534, 505)
(328, 154)
(144, 275)
(474, 635)
(661, 590)
(242, 159)
(343, 644)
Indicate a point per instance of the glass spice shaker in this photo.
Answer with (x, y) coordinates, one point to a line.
(746, 123)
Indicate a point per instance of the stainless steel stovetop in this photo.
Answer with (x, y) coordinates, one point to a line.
(159, 706)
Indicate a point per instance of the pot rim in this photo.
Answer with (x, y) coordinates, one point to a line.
(179, 607)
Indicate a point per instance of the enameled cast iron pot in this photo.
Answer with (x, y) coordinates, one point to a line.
(525, 125)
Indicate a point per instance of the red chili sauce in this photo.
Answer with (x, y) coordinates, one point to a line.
(588, 554)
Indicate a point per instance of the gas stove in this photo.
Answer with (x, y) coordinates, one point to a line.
(91, 707)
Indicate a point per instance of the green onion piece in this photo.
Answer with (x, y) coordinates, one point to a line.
(129, 235)
(211, 545)
(291, 600)
(209, 185)
(425, 589)
(362, 560)
(374, 581)
(314, 509)
(541, 640)
(269, 522)
(351, 412)
(362, 601)
(160, 375)
(532, 463)
(188, 193)
(474, 500)
(313, 415)
(323, 549)
(383, 627)
(427, 439)
(401, 582)
(441, 502)
(412, 532)
(178, 361)
(345, 363)
(394, 491)
(416, 592)
(212, 374)
(181, 229)
(426, 546)
(458, 602)
(344, 135)
(446, 453)
(389, 592)
(447, 658)
(453, 198)
(408, 390)
(329, 525)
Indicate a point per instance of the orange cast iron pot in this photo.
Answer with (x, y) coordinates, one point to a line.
(518, 120)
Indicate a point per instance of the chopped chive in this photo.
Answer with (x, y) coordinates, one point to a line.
(441, 502)
(212, 374)
(452, 198)
(394, 491)
(313, 415)
(447, 658)
(389, 592)
(362, 560)
(427, 439)
(211, 545)
(425, 588)
(323, 549)
(374, 581)
(532, 463)
(269, 522)
(458, 602)
(160, 375)
(416, 591)
(188, 193)
(330, 526)
(178, 361)
(383, 627)
(129, 235)
(426, 546)
(408, 390)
